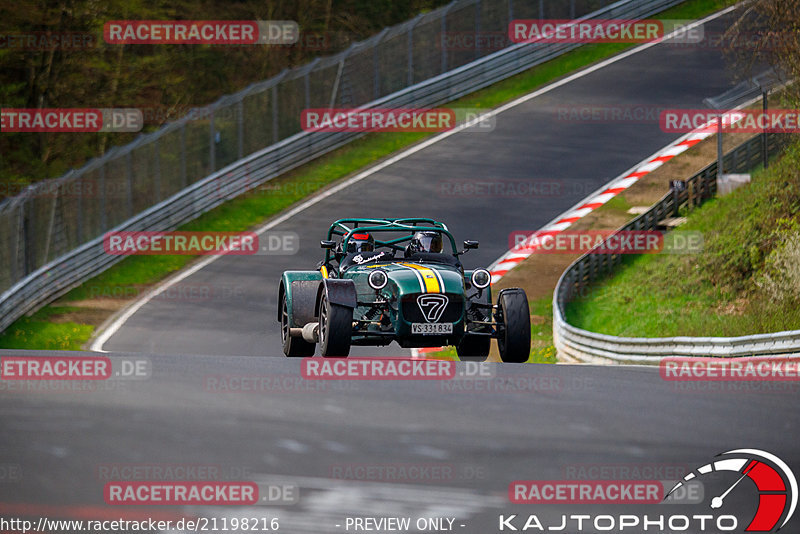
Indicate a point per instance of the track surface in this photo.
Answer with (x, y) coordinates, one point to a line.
(528, 422)
(529, 142)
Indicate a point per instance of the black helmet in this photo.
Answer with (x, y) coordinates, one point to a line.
(427, 242)
(361, 242)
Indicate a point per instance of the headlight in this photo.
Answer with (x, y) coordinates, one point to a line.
(377, 279)
(481, 278)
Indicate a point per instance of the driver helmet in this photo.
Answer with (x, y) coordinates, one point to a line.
(361, 242)
(427, 242)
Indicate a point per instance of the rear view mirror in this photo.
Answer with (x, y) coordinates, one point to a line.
(328, 244)
(470, 244)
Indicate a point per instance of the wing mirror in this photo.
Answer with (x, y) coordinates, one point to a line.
(330, 245)
(470, 244)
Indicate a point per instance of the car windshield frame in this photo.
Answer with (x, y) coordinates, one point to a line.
(347, 227)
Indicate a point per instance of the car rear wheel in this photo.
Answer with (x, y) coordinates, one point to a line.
(513, 326)
(335, 328)
(293, 347)
(474, 348)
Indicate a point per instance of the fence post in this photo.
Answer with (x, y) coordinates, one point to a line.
(79, 229)
(444, 32)
(103, 203)
(157, 169)
(50, 227)
(274, 98)
(129, 176)
(376, 62)
(212, 148)
(27, 250)
(477, 28)
(240, 128)
(184, 177)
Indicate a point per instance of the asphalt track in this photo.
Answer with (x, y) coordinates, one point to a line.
(527, 422)
(530, 142)
(468, 439)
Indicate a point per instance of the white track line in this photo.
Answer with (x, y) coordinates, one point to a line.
(111, 329)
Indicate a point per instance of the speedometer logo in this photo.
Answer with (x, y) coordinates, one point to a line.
(776, 484)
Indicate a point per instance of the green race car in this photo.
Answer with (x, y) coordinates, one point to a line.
(385, 280)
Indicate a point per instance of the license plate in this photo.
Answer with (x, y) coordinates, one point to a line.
(431, 328)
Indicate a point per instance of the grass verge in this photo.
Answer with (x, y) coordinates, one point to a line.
(746, 280)
(71, 321)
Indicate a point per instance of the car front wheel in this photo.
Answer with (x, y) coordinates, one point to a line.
(335, 328)
(293, 347)
(513, 326)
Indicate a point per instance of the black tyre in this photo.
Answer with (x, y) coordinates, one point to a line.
(335, 328)
(474, 348)
(513, 326)
(293, 347)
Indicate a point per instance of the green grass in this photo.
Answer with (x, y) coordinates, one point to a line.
(721, 291)
(38, 332)
(542, 348)
(242, 213)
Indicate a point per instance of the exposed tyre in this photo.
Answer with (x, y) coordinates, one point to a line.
(335, 328)
(513, 326)
(293, 347)
(474, 348)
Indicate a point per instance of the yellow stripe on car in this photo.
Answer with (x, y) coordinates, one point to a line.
(324, 271)
(429, 277)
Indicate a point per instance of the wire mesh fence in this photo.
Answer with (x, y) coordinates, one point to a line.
(53, 217)
(51, 233)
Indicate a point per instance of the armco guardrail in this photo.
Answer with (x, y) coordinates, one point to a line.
(57, 276)
(54, 217)
(592, 347)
